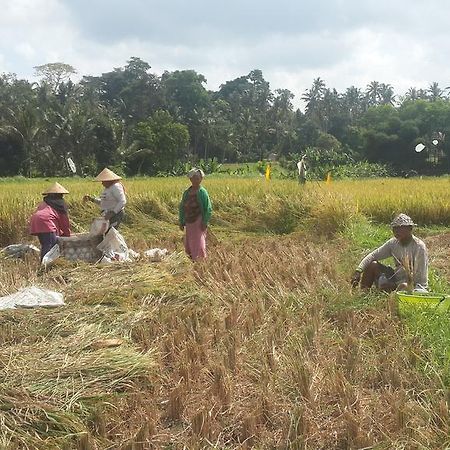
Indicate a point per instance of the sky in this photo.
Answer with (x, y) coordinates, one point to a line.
(403, 43)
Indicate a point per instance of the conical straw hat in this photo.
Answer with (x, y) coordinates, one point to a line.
(56, 188)
(107, 175)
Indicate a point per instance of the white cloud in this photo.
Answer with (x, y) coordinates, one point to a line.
(26, 50)
(33, 32)
(403, 43)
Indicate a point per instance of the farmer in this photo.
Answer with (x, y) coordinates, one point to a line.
(50, 219)
(410, 257)
(301, 166)
(194, 214)
(112, 200)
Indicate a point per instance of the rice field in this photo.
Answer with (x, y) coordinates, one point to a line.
(244, 204)
(264, 345)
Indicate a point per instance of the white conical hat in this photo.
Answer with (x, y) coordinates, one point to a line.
(56, 188)
(107, 175)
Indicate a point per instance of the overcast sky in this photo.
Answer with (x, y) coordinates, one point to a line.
(345, 42)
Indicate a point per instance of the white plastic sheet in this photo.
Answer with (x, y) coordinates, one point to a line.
(52, 255)
(32, 297)
(133, 255)
(19, 250)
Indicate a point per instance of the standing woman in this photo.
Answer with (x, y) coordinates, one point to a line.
(112, 200)
(194, 215)
(50, 219)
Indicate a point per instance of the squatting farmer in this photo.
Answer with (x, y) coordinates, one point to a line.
(410, 257)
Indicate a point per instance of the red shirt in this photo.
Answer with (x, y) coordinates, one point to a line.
(47, 220)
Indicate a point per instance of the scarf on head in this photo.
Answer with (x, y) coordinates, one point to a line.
(57, 204)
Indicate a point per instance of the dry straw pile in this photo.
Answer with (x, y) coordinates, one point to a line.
(263, 346)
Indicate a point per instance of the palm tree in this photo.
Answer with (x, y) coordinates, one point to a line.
(422, 94)
(411, 94)
(435, 92)
(387, 96)
(314, 102)
(313, 96)
(330, 109)
(353, 102)
(25, 124)
(373, 93)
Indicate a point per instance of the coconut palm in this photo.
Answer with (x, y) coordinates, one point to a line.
(435, 92)
(411, 94)
(353, 102)
(26, 125)
(373, 93)
(314, 102)
(313, 96)
(387, 96)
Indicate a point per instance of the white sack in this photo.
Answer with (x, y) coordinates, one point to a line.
(156, 254)
(114, 246)
(99, 226)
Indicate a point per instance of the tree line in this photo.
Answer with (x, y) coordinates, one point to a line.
(140, 123)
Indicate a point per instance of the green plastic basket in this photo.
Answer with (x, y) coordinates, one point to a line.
(429, 299)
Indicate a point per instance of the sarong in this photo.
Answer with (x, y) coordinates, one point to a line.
(195, 240)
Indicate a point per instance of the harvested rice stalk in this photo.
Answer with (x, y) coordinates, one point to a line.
(407, 264)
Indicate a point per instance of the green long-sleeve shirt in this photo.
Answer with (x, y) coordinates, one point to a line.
(205, 205)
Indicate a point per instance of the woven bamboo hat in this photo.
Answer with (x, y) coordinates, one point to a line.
(56, 188)
(107, 175)
(402, 220)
